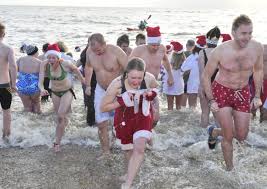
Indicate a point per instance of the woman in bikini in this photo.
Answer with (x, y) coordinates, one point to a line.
(58, 71)
(131, 95)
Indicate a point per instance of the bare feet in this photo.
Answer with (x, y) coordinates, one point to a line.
(56, 147)
(123, 178)
(124, 186)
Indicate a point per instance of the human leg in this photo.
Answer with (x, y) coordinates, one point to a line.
(27, 103)
(36, 103)
(170, 101)
(192, 100)
(205, 112)
(136, 160)
(178, 101)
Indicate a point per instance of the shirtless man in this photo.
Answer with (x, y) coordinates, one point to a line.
(154, 54)
(8, 74)
(229, 95)
(263, 114)
(108, 62)
(123, 42)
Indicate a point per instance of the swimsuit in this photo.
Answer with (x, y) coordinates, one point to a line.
(5, 96)
(238, 99)
(27, 83)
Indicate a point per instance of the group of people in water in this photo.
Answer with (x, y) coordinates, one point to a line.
(125, 82)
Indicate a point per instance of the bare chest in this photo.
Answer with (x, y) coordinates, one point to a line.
(238, 62)
(104, 62)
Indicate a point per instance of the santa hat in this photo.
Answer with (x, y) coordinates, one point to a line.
(177, 47)
(201, 41)
(153, 35)
(226, 37)
(54, 50)
(169, 48)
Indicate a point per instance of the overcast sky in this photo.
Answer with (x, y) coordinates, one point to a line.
(186, 4)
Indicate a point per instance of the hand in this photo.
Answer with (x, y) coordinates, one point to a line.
(149, 95)
(170, 80)
(255, 103)
(88, 90)
(14, 89)
(214, 106)
(44, 92)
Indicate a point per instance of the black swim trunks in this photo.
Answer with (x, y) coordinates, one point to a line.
(5, 96)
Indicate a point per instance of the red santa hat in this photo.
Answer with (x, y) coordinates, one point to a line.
(226, 37)
(153, 35)
(54, 50)
(169, 48)
(201, 41)
(177, 47)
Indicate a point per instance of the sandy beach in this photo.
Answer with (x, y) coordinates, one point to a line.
(180, 157)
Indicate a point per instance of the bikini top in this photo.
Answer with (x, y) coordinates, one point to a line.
(123, 88)
(61, 77)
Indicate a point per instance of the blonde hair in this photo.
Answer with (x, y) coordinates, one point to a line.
(62, 46)
(177, 60)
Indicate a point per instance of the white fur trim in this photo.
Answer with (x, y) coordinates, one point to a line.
(127, 100)
(200, 46)
(212, 41)
(126, 146)
(142, 133)
(153, 40)
(53, 52)
(265, 104)
(179, 52)
(145, 107)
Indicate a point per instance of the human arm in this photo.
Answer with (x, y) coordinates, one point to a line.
(122, 58)
(88, 72)
(41, 78)
(167, 66)
(258, 78)
(109, 101)
(201, 66)
(75, 70)
(12, 69)
(208, 71)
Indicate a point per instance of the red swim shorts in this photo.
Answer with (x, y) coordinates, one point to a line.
(239, 99)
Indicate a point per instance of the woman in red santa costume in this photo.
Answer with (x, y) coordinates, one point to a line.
(131, 95)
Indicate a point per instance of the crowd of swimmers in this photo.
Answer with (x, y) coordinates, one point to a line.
(228, 77)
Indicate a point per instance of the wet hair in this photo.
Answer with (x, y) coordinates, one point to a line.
(45, 46)
(242, 19)
(196, 50)
(214, 32)
(2, 29)
(83, 56)
(134, 64)
(140, 36)
(123, 39)
(177, 60)
(190, 43)
(62, 46)
(212, 37)
(98, 37)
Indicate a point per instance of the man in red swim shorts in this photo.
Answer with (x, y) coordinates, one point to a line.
(229, 95)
